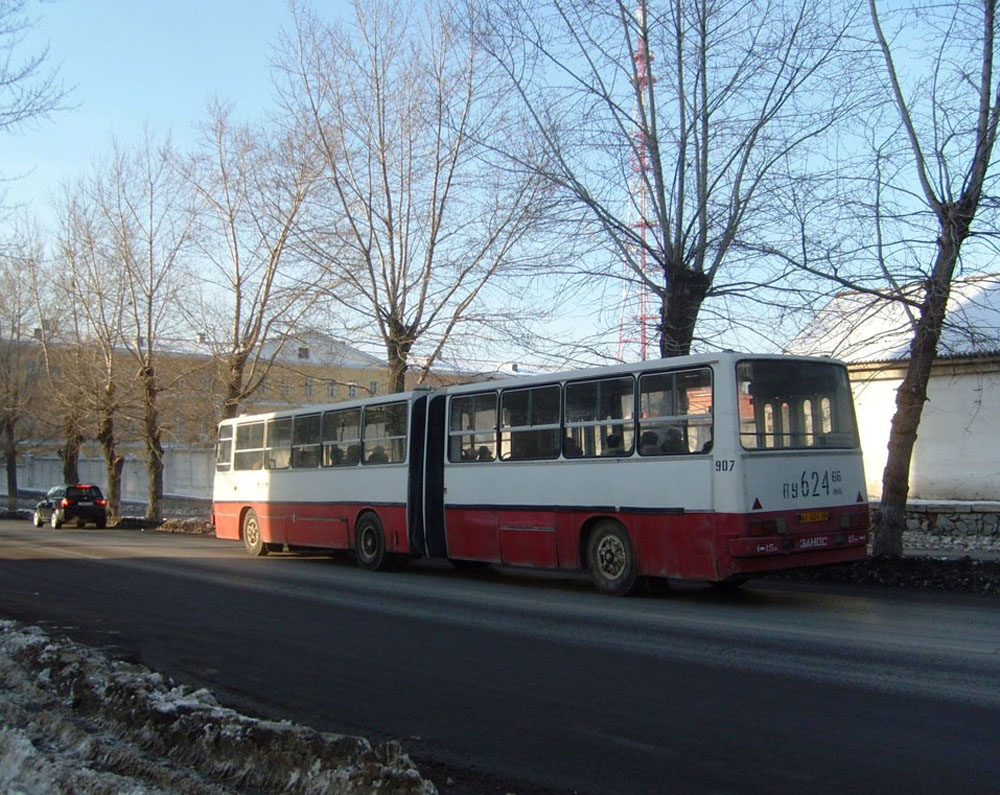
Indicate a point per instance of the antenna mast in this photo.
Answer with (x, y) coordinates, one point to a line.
(634, 316)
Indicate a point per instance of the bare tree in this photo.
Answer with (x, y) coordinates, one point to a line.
(948, 106)
(87, 262)
(673, 126)
(250, 192)
(141, 203)
(19, 357)
(29, 89)
(420, 225)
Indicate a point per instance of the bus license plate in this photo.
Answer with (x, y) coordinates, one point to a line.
(814, 516)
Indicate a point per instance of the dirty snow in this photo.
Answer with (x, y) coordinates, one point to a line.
(73, 720)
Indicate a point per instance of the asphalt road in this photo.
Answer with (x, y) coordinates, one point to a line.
(534, 678)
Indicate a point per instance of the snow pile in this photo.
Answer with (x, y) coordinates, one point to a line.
(74, 721)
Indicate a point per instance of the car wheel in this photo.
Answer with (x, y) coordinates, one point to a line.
(36, 520)
(100, 524)
(251, 535)
(612, 560)
(55, 521)
(369, 543)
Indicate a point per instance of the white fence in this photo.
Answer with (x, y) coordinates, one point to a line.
(187, 473)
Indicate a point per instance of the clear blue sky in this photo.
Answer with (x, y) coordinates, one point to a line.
(136, 62)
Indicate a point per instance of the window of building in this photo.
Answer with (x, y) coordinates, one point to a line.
(307, 387)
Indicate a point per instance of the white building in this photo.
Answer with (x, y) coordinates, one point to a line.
(957, 454)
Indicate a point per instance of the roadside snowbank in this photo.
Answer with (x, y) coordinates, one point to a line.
(74, 721)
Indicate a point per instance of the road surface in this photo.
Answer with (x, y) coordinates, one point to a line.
(534, 678)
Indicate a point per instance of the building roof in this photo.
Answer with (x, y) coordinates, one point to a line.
(867, 327)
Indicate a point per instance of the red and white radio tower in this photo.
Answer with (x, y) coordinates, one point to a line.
(634, 316)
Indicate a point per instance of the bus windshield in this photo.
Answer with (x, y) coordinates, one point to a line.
(794, 405)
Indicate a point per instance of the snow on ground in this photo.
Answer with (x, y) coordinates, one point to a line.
(74, 721)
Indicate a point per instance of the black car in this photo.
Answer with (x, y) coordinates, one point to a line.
(81, 502)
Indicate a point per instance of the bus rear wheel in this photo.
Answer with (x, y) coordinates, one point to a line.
(252, 539)
(612, 560)
(369, 543)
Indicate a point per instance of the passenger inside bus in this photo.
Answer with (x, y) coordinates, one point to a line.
(378, 456)
(649, 443)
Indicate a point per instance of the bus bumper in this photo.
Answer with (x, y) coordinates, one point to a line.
(749, 555)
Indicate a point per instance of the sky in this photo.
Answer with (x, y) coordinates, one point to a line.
(136, 62)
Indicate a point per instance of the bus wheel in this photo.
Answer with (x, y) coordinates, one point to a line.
(611, 559)
(251, 535)
(369, 543)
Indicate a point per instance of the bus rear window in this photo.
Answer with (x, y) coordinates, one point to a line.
(794, 405)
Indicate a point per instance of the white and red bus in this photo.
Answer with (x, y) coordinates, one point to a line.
(712, 467)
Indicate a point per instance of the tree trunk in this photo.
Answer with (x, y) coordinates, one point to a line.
(890, 521)
(154, 445)
(680, 303)
(234, 386)
(113, 463)
(10, 457)
(397, 348)
(70, 452)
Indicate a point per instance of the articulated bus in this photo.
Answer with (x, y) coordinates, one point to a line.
(711, 467)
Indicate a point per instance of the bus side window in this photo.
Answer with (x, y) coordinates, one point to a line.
(279, 443)
(530, 423)
(675, 412)
(384, 437)
(305, 441)
(600, 418)
(224, 448)
(472, 428)
(249, 446)
(341, 435)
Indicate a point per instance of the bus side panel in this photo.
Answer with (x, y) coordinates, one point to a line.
(226, 519)
(472, 533)
(528, 538)
(393, 518)
(317, 525)
(675, 545)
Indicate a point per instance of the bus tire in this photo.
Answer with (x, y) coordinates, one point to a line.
(369, 543)
(252, 539)
(611, 559)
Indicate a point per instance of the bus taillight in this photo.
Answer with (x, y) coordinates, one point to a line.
(854, 521)
(761, 528)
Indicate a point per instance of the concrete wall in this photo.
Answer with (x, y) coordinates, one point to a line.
(957, 455)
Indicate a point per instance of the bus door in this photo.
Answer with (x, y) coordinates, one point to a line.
(431, 535)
